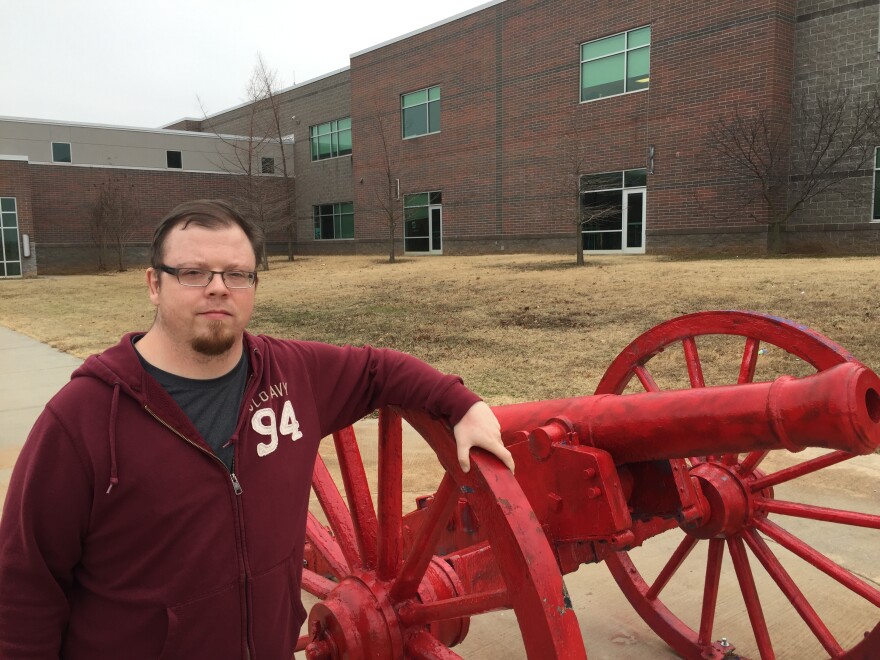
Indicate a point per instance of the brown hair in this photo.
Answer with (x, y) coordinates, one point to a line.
(208, 213)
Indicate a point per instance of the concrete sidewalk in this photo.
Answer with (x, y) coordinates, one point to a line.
(30, 373)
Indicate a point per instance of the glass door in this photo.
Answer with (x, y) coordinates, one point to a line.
(634, 220)
(10, 255)
(436, 215)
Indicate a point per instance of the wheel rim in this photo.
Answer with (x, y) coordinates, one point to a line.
(419, 606)
(753, 490)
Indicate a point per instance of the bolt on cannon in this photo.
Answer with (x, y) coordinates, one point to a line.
(597, 477)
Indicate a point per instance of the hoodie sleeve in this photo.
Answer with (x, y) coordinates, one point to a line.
(350, 382)
(44, 520)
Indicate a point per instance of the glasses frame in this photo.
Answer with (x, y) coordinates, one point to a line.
(252, 276)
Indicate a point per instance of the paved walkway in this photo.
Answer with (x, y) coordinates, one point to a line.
(30, 373)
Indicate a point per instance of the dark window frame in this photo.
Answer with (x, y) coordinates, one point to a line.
(335, 131)
(69, 158)
(169, 160)
(332, 216)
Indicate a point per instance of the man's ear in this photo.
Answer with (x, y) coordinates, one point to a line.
(153, 285)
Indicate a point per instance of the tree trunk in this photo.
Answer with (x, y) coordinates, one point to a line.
(290, 242)
(774, 238)
(391, 244)
(579, 254)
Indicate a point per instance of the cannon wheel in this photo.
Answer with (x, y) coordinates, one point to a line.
(417, 605)
(698, 641)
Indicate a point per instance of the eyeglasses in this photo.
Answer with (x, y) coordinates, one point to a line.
(233, 279)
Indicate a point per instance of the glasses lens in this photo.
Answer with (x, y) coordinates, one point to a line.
(193, 277)
(238, 279)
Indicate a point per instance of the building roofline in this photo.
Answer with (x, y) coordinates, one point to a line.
(110, 127)
(426, 28)
(310, 81)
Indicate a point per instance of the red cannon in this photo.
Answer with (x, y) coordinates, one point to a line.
(712, 460)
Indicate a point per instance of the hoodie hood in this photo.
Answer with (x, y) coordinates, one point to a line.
(121, 369)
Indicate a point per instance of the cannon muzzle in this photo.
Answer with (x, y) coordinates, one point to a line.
(838, 408)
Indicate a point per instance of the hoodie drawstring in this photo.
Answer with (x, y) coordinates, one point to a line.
(114, 403)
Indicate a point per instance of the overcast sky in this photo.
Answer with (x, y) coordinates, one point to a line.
(148, 62)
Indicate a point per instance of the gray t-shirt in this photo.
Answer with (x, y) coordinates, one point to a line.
(212, 405)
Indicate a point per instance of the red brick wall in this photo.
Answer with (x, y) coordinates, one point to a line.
(62, 197)
(15, 181)
(509, 79)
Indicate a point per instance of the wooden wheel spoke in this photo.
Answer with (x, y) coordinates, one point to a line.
(357, 491)
(317, 585)
(752, 461)
(817, 559)
(326, 546)
(681, 552)
(795, 596)
(692, 359)
(710, 590)
(336, 511)
(826, 514)
(800, 470)
(749, 361)
(645, 378)
(414, 614)
(750, 596)
(422, 549)
(424, 646)
(390, 516)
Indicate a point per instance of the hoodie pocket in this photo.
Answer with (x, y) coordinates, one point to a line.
(207, 627)
(278, 612)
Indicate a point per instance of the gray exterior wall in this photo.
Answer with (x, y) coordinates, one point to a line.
(320, 182)
(836, 46)
(118, 146)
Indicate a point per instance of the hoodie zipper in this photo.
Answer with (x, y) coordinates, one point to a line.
(236, 487)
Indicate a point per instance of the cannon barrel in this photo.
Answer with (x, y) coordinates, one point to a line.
(838, 408)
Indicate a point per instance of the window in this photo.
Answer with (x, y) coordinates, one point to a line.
(331, 139)
(613, 211)
(174, 159)
(10, 257)
(61, 152)
(876, 215)
(267, 165)
(334, 221)
(420, 112)
(616, 65)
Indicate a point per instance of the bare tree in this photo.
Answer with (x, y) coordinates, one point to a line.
(261, 195)
(775, 173)
(587, 208)
(115, 218)
(97, 228)
(386, 193)
(269, 88)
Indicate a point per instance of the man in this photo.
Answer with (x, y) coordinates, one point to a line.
(158, 507)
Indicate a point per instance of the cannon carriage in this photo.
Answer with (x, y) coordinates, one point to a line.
(598, 477)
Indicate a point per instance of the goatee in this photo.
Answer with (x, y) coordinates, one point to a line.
(215, 342)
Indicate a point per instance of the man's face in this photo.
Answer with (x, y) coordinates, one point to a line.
(209, 320)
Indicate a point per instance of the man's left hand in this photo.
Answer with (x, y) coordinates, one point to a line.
(480, 428)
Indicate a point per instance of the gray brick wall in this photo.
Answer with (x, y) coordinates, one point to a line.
(836, 44)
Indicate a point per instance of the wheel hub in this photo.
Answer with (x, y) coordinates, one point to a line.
(728, 498)
(358, 621)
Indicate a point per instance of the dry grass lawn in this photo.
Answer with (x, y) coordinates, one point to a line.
(516, 327)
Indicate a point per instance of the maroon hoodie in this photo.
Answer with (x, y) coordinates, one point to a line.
(123, 536)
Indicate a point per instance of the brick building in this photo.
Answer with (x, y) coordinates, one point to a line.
(501, 128)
